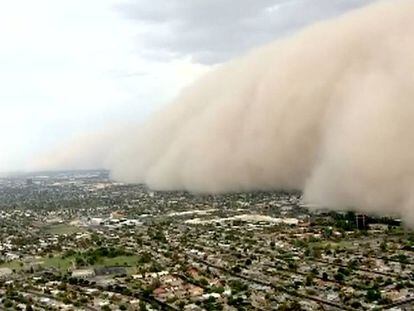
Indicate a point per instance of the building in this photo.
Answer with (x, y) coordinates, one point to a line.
(83, 273)
(361, 221)
(110, 271)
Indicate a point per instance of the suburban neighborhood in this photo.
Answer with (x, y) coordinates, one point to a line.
(79, 241)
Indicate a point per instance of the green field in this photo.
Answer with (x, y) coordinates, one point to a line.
(61, 229)
(119, 261)
(14, 265)
(63, 264)
(333, 245)
(58, 262)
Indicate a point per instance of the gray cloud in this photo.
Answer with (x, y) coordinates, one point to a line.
(212, 31)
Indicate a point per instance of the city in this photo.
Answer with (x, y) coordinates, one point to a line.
(207, 155)
(79, 241)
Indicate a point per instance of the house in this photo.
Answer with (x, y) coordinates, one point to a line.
(5, 273)
(195, 291)
(110, 271)
(83, 273)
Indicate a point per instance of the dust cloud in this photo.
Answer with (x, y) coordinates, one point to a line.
(329, 111)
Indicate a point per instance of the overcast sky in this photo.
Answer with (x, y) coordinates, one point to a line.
(72, 66)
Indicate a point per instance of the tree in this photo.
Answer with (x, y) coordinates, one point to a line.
(290, 306)
(339, 277)
(309, 279)
(292, 266)
(203, 282)
(373, 295)
(238, 286)
(356, 304)
(236, 269)
(316, 252)
(8, 303)
(327, 232)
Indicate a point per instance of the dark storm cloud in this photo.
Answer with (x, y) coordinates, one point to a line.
(213, 31)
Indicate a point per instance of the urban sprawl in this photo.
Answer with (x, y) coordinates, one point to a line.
(79, 241)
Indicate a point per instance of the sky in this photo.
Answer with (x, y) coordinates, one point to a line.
(74, 66)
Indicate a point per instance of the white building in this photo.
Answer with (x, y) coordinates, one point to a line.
(83, 273)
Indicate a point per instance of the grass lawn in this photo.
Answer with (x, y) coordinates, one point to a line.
(132, 270)
(62, 229)
(15, 264)
(58, 262)
(333, 245)
(119, 261)
(64, 263)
